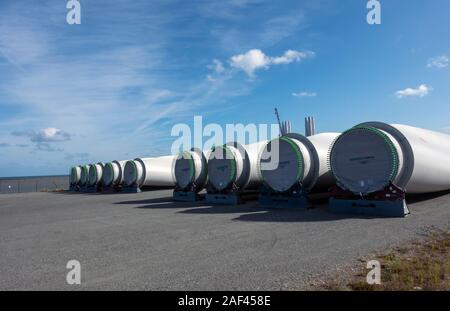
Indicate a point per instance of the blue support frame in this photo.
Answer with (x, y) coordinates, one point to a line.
(383, 208)
(297, 197)
(187, 196)
(389, 202)
(131, 189)
(223, 198)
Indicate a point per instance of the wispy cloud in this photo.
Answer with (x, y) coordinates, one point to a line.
(281, 27)
(99, 92)
(4, 145)
(26, 46)
(438, 62)
(109, 85)
(47, 147)
(257, 23)
(421, 91)
(217, 66)
(108, 92)
(304, 94)
(80, 156)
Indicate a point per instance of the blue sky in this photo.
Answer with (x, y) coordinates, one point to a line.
(113, 87)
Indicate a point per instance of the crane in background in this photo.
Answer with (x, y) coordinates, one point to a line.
(285, 127)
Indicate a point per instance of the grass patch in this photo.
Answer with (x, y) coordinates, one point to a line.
(423, 265)
(54, 190)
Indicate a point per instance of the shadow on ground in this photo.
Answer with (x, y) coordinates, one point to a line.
(79, 193)
(417, 198)
(225, 209)
(252, 211)
(318, 214)
(157, 203)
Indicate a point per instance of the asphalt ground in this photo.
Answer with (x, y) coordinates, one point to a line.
(147, 242)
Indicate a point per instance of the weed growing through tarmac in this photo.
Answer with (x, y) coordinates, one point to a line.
(424, 265)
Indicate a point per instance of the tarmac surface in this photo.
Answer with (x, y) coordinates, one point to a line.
(147, 242)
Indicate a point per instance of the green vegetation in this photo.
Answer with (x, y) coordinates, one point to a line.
(424, 265)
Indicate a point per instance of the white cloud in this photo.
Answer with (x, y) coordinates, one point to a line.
(421, 91)
(438, 62)
(255, 59)
(50, 134)
(250, 62)
(304, 94)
